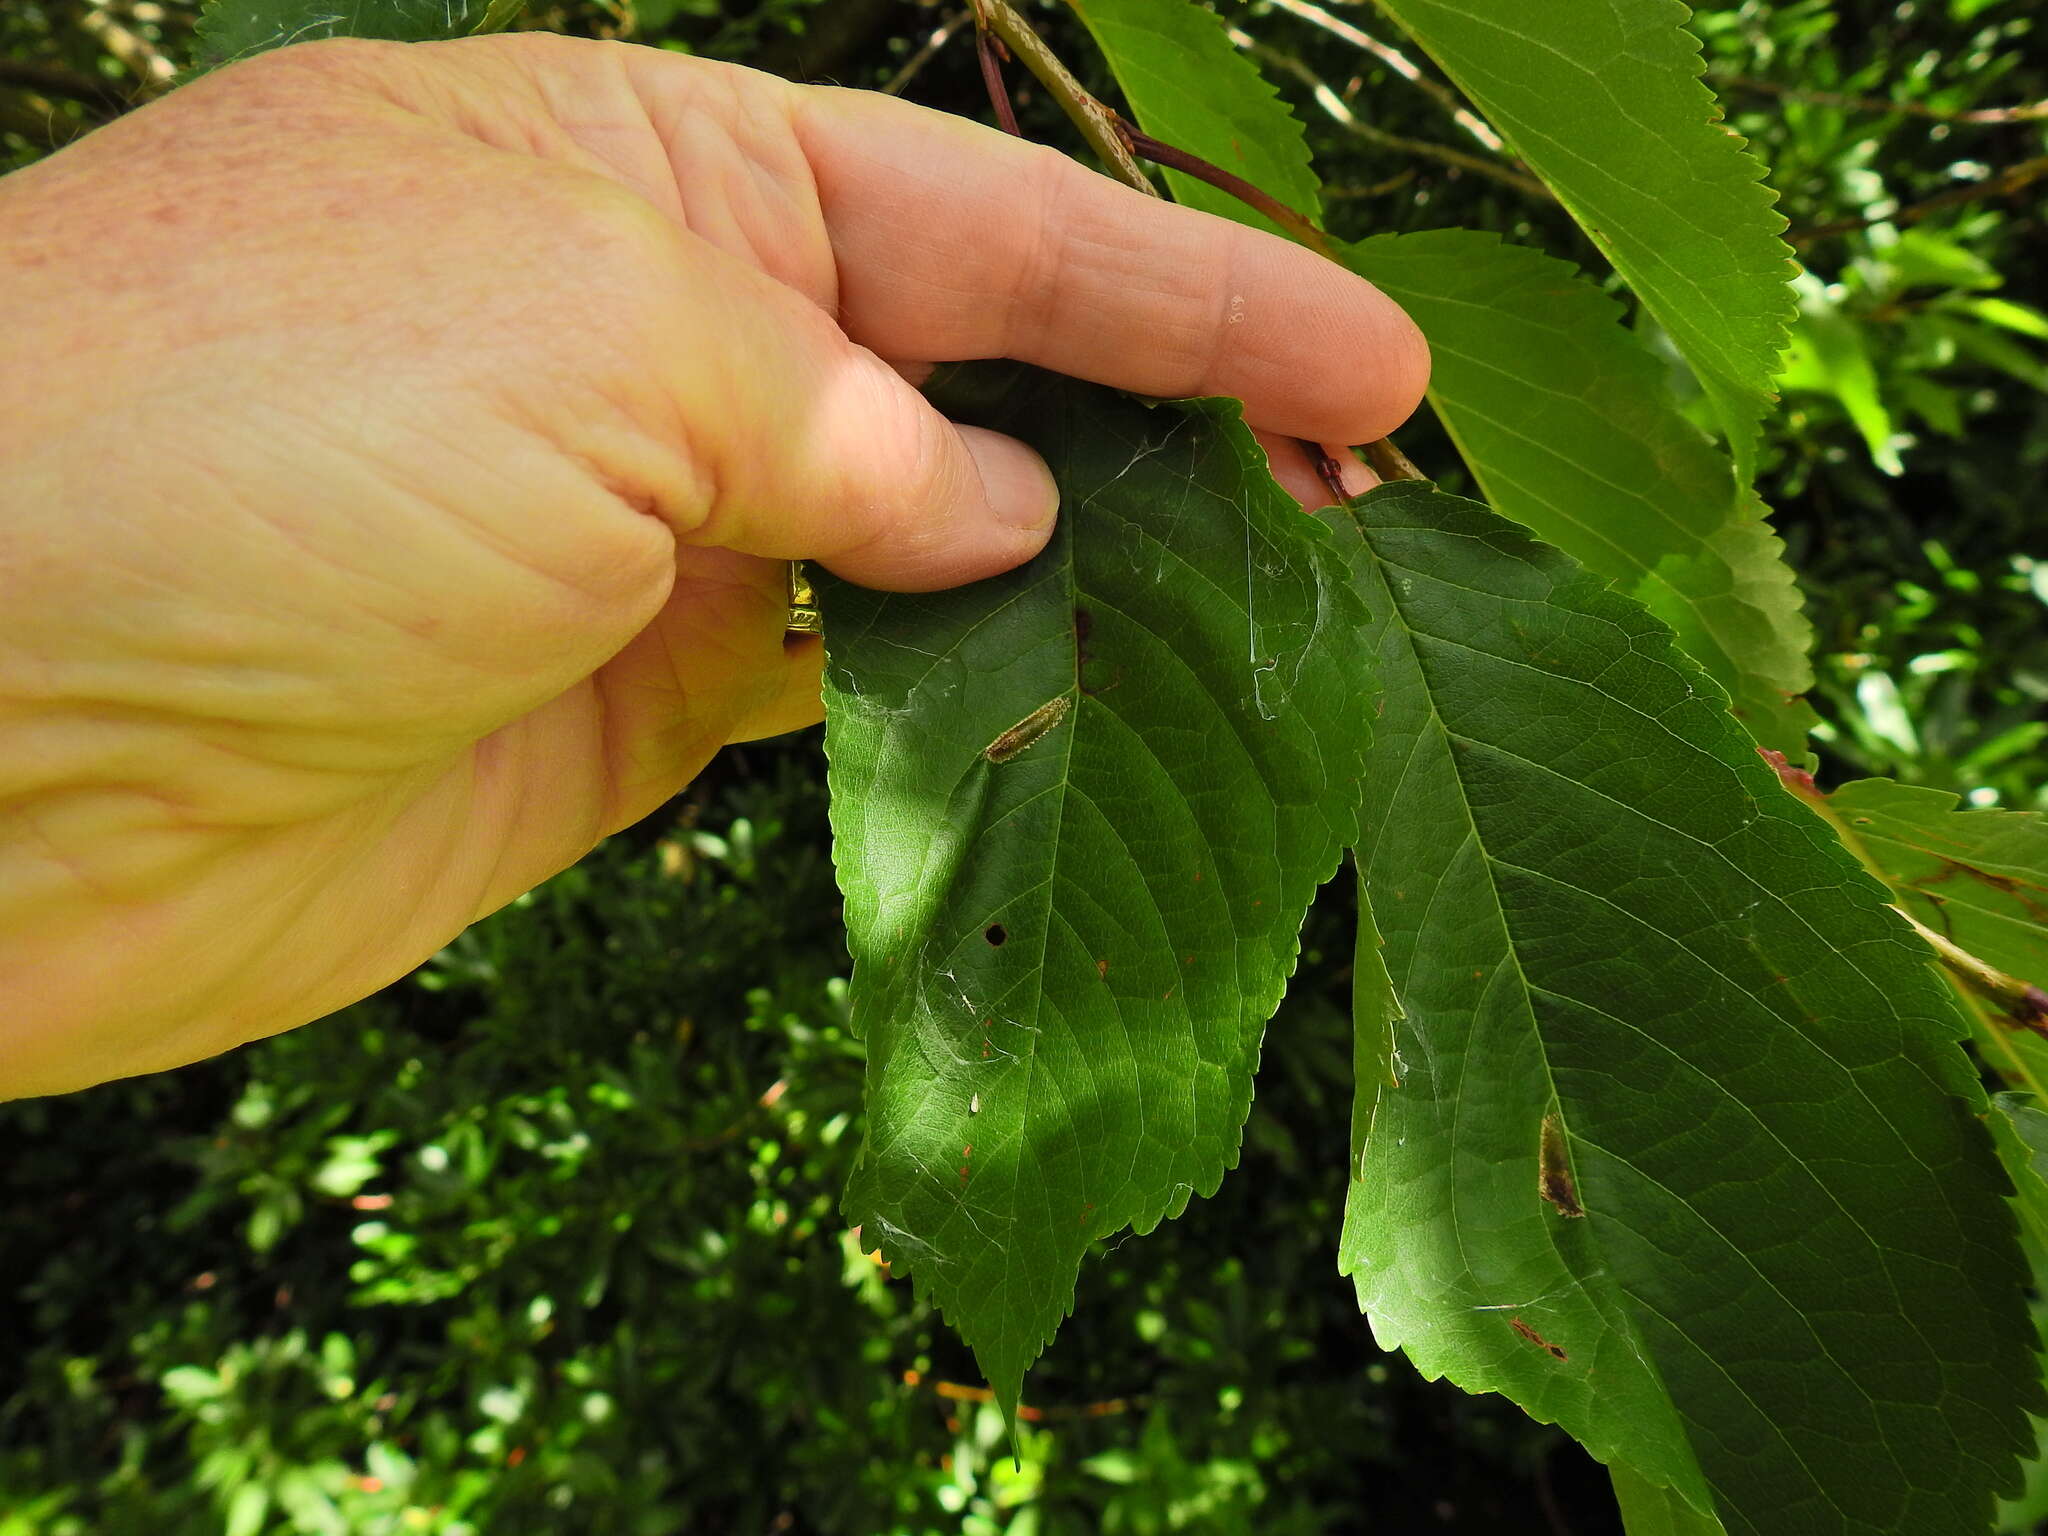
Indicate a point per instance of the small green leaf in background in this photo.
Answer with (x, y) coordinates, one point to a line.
(247, 1510)
(1684, 1156)
(1078, 813)
(1826, 356)
(1562, 417)
(1187, 84)
(1603, 99)
(237, 29)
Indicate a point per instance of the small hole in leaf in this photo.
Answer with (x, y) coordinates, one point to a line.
(997, 935)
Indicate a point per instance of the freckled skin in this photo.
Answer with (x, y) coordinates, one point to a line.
(401, 448)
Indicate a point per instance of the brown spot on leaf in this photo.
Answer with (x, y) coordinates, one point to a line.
(997, 935)
(1798, 780)
(1102, 968)
(2007, 885)
(1537, 1339)
(1554, 1169)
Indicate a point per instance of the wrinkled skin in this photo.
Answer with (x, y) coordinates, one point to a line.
(399, 448)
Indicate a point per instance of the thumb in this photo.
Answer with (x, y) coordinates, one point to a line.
(813, 447)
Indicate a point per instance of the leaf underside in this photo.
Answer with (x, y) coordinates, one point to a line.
(1564, 419)
(1603, 100)
(1078, 812)
(1187, 84)
(1977, 877)
(1794, 1293)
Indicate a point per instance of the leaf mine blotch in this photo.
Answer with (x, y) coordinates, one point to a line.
(1554, 1170)
(1029, 729)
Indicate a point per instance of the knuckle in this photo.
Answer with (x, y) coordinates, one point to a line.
(1188, 316)
(1038, 279)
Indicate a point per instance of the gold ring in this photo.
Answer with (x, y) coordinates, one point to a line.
(804, 618)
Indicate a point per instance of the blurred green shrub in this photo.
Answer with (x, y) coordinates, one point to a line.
(545, 1238)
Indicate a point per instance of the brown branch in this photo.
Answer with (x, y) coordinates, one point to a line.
(1096, 122)
(104, 98)
(2012, 179)
(2035, 112)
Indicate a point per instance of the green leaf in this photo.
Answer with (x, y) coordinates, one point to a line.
(1078, 813)
(1562, 416)
(1603, 99)
(2004, 312)
(1648, 1510)
(247, 1510)
(2020, 1128)
(1187, 84)
(1827, 356)
(237, 29)
(1684, 1156)
(1978, 877)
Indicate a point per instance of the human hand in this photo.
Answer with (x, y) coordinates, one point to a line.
(399, 448)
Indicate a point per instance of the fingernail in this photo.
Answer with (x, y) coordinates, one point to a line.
(1020, 489)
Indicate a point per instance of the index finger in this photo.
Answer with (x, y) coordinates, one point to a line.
(954, 241)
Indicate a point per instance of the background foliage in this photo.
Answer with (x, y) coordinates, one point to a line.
(546, 1237)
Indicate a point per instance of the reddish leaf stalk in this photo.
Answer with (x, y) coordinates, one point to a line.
(992, 53)
(1145, 147)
